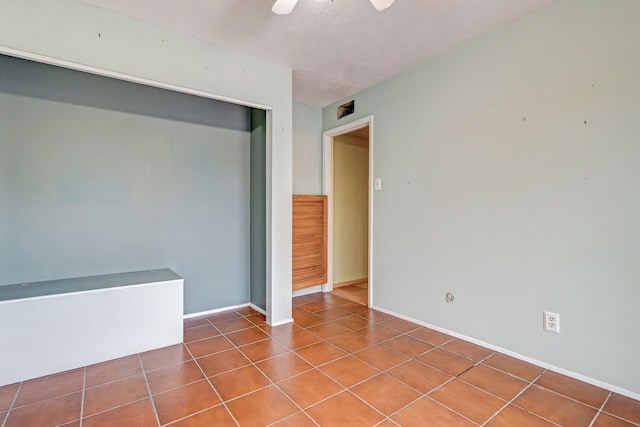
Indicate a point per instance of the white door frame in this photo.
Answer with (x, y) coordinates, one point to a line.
(327, 187)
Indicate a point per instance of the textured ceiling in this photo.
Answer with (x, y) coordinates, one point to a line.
(335, 48)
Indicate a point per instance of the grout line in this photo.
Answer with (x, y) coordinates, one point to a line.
(13, 402)
(146, 380)
(84, 384)
(222, 402)
(600, 410)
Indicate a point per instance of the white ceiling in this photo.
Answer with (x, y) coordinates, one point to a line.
(335, 48)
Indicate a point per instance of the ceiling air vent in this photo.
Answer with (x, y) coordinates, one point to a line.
(346, 109)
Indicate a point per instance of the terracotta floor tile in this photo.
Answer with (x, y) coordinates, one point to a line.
(262, 407)
(234, 325)
(354, 307)
(217, 416)
(401, 325)
(512, 416)
(224, 361)
(309, 388)
(606, 420)
(623, 407)
(238, 382)
(334, 313)
(194, 322)
(333, 300)
(165, 356)
(320, 353)
(379, 333)
(495, 382)
(2, 417)
(223, 316)
(138, 414)
(447, 362)
(51, 386)
(513, 366)
(200, 332)
(352, 342)
(375, 315)
(209, 346)
(304, 299)
(247, 311)
(247, 336)
(116, 393)
(431, 336)
(318, 305)
(344, 410)
(281, 330)
(386, 394)
(555, 407)
(467, 349)
(45, 413)
(329, 330)
(419, 376)
(263, 350)
(174, 376)
(309, 320)
(410, 346)
(297, 311)
(298, 339)
(349, 371)
(575, 389)
(427, 413)
(181, 402)
(257, 319)
(468, 401)
(113, 370)
(382, 357)
(354, 322)
(283, 366)
(297, 420)
(7, 395)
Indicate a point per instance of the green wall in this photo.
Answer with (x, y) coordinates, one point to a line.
(83, 36)
(258, 209)
(307, 149)
(510, 170)
(101, 176)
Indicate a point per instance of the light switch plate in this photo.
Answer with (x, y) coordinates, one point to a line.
(377, 184)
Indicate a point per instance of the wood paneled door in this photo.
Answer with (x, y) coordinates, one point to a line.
(309, 241)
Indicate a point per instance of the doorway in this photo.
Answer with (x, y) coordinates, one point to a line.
(348, 183)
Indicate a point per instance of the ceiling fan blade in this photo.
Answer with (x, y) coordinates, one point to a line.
(381, 4)
(283, 7)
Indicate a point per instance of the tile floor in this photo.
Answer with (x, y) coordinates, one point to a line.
(340, 364)
(357, 293)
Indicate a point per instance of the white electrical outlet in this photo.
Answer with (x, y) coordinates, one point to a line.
(551, 322)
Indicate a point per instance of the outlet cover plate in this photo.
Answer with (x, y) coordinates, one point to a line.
(551, 322)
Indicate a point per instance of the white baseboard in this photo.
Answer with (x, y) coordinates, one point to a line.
(307, 291)
(519, 356)
(215, 310)
(282, 322)
(258, 309)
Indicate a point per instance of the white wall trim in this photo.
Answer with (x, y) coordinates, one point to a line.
(126, 77)
(309, 290)
(327, 186)
(518, 356)
(215, 310)
(258, 309)
(282, 322)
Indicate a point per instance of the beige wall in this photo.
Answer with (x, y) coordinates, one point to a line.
(350, 208)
